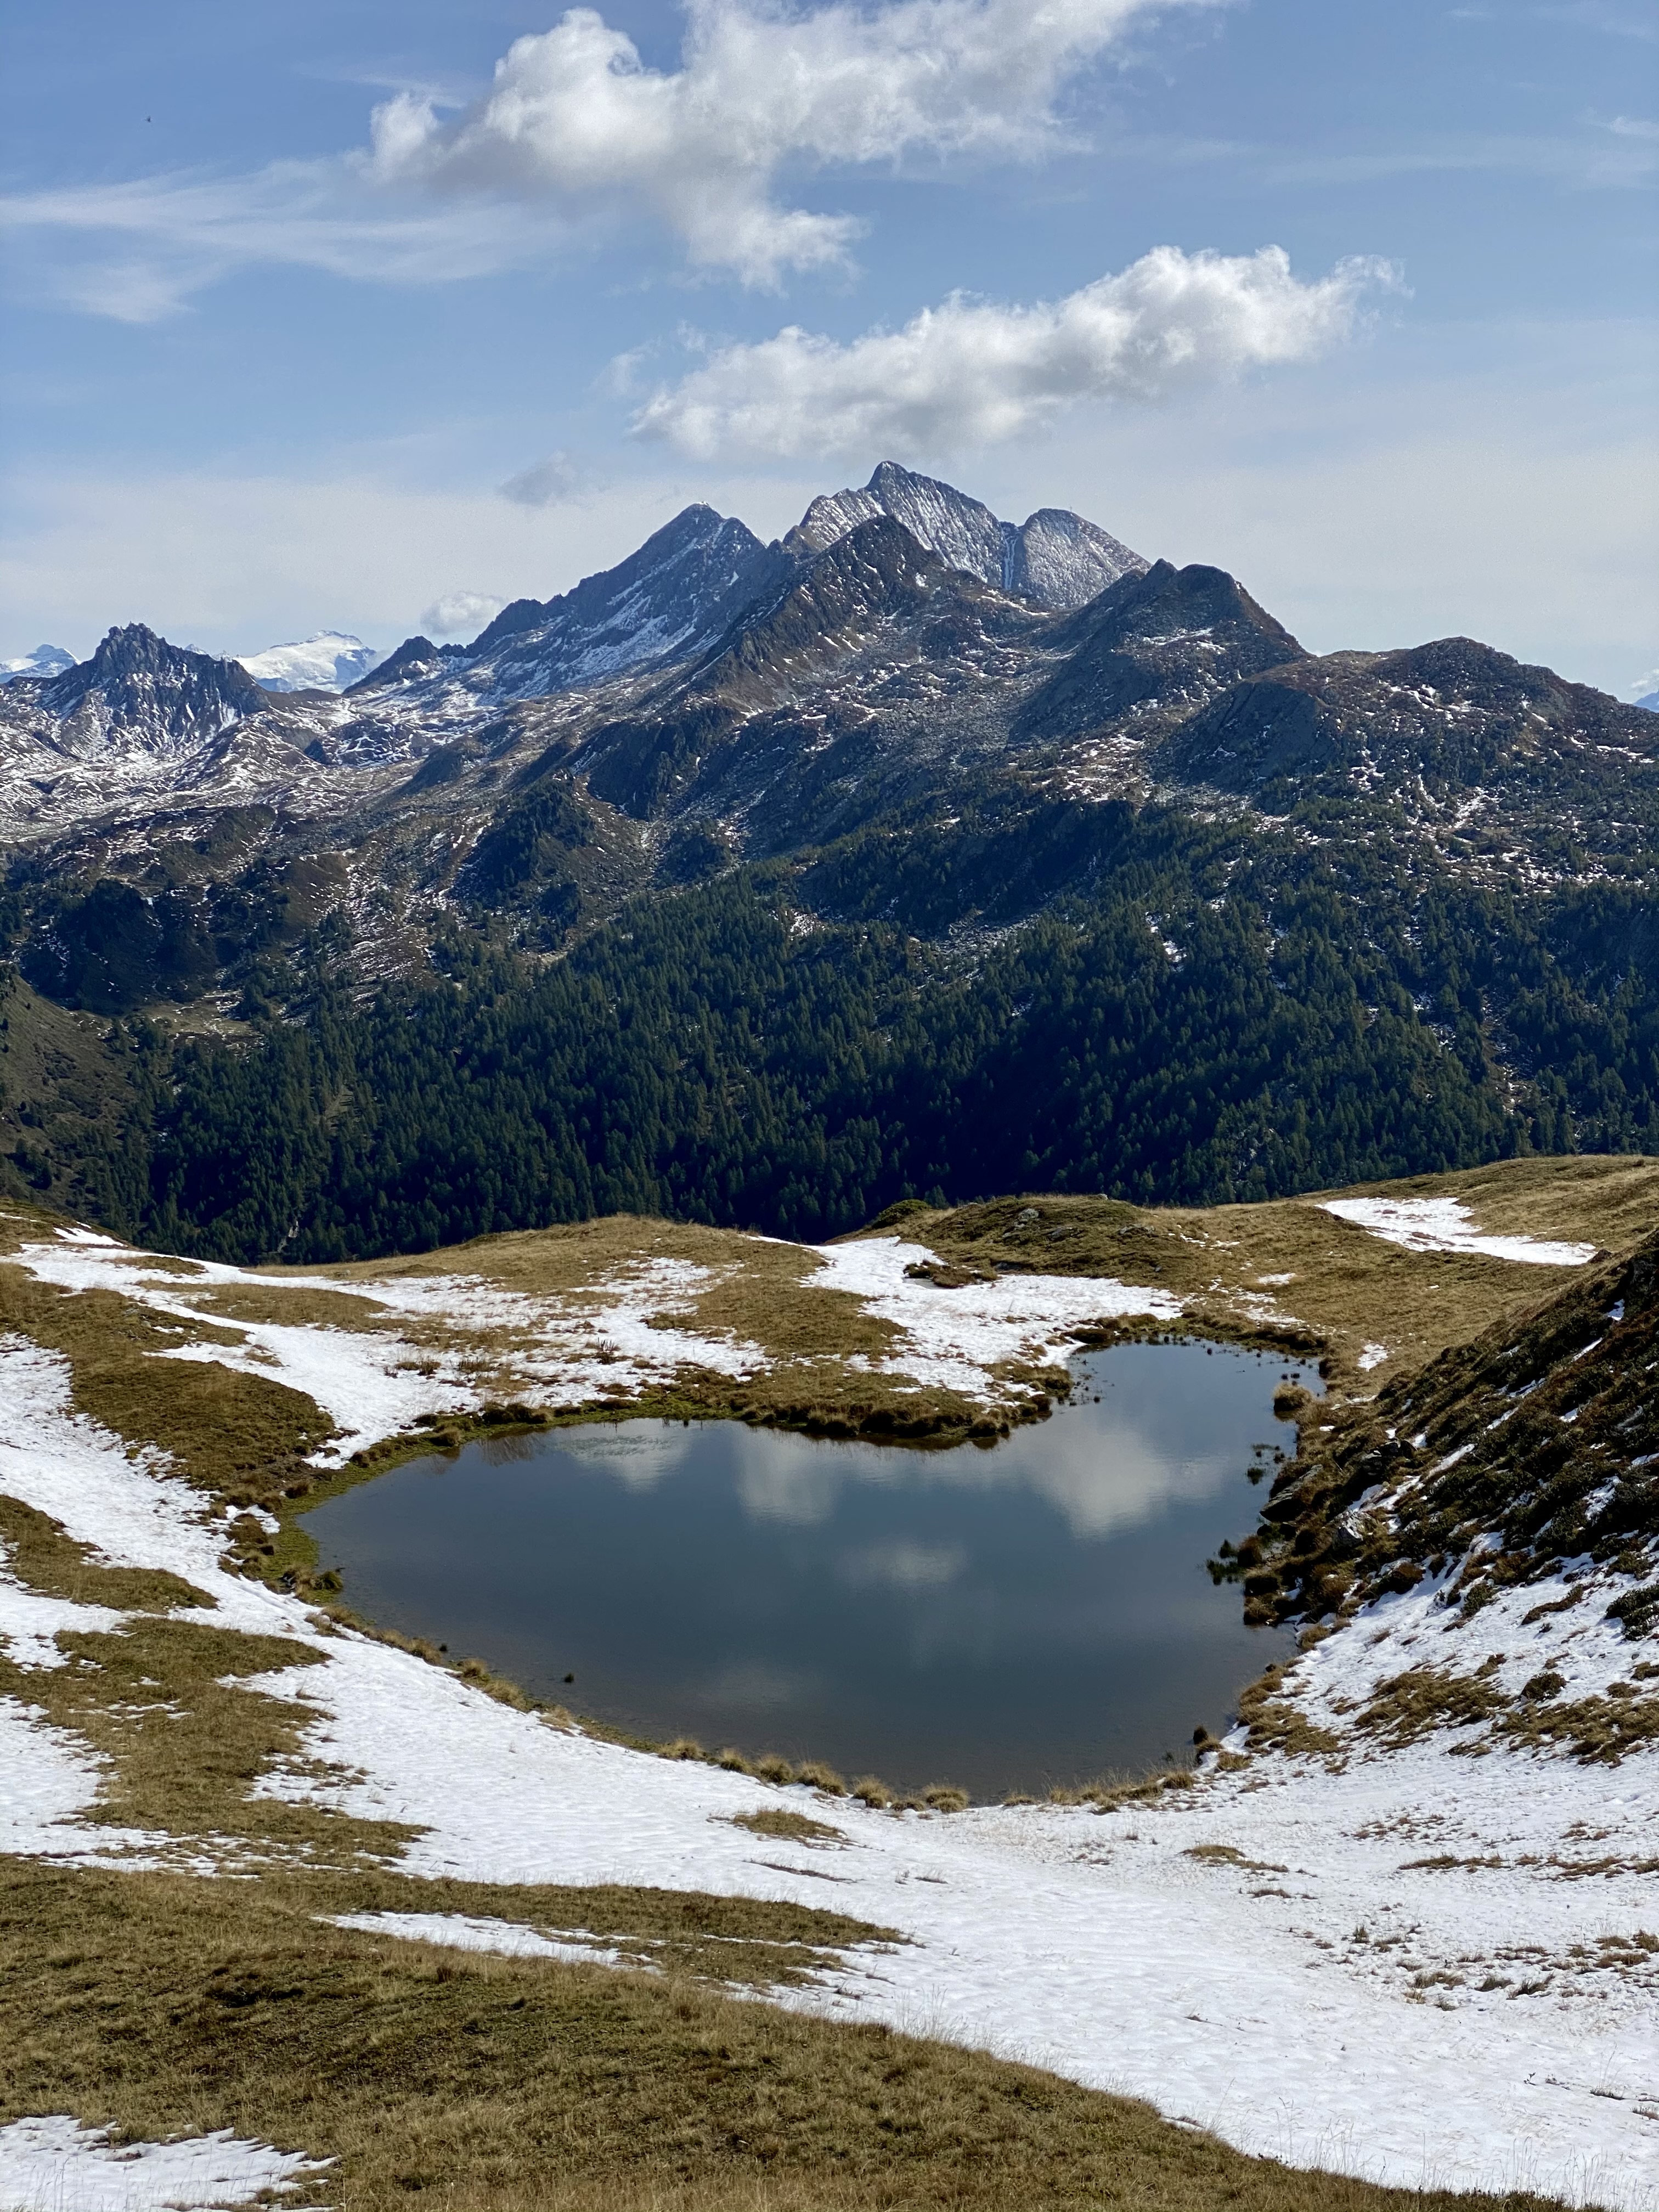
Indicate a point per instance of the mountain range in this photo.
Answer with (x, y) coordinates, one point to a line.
(928, 777)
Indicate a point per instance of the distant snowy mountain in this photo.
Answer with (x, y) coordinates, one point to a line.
(1650, 701)
(45, 660)
(1054, 556)
(329, 661)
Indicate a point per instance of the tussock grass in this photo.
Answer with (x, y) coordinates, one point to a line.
(225, 1430)
(42, 1554)
(787, 1827)
(158, 2004)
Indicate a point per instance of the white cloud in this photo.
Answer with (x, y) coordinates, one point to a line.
(573, 114)
(575, 130)
(971, 372)
(455, 614)
(163, 237)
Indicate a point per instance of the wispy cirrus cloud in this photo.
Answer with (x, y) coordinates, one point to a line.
(574, 132)
(971, 372)
(153, 243)
(1616, 154)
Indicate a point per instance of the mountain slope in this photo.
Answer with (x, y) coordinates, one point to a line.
(670, 600)
(138, 693)
(1532, 1450)
(1138, 897)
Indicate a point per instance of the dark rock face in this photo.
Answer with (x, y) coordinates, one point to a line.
(1453, 715)
(415, 658)
(877, 577)
(1170, 637)
(139, 690)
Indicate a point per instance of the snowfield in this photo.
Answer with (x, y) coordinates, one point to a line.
(607, 1338)
(1390, 1963)
(955, 1340)
(1445, 1224)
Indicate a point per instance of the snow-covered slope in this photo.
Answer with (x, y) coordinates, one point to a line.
(1381, 1932)
(1055, 558)
(45, 660)
(670, 600)
(330, 660)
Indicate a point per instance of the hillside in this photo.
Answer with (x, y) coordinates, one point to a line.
(1363, 1911)
(769, 885)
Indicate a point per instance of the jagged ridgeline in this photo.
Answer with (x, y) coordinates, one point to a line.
(918, 853)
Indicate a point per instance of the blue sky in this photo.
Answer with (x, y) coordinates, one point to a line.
(271, 362)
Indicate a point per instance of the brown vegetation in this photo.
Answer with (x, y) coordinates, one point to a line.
(161, 2005)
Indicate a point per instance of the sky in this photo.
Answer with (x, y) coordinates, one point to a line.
(370, 317)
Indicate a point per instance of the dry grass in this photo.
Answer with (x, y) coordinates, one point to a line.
(41, 1555)
(181, 1742)
(226, 1430)
(776, 1820)
(297, 1308)
(159, 2004)
(1347, 1288)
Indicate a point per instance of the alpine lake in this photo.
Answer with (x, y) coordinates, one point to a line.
(1005, 1619)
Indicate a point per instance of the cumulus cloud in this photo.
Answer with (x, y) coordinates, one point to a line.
(575, 115)
(575, 130)
(971, 372)
(459, 614)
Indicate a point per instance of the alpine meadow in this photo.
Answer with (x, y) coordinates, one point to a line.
(828, 1349)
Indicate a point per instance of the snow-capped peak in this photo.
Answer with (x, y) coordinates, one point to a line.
(45, 660)
(327, 661)
(1054, 556)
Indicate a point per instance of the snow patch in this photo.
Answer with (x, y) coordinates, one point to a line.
(1446, 1224)
(465, 1931)
(328, 660)
(955, 1340)
(56, 2165)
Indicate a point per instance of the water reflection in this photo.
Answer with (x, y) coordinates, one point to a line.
(1005, 1617)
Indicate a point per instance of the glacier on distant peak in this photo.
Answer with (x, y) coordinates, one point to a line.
(328, 660)
(1055, 558)
(45, 660)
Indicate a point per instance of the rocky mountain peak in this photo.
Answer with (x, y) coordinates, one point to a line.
(672, 599)
(1175, 636)
(1055, 558)
(139, 693)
